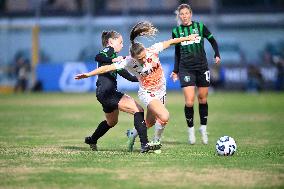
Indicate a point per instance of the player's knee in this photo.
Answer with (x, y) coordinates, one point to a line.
(189, 103)
(202, 99)
(163, 123)
(164, 118)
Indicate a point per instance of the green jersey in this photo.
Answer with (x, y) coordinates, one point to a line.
(190, 55)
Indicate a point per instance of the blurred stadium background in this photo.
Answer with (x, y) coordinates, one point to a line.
(43, 43)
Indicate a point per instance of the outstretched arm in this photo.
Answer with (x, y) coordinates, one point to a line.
(100, 70)
(126, 75)
(167, 44)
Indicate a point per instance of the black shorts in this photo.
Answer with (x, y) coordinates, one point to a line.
(199, 78)
(109, 100)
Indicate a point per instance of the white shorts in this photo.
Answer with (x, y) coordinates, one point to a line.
(146, 96)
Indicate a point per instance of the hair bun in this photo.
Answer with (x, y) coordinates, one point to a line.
(104, 33)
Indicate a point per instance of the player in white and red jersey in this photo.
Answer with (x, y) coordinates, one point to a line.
(152, 90)
(149, 73)
(144, 63)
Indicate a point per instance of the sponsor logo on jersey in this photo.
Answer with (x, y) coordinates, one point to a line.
(198, 39)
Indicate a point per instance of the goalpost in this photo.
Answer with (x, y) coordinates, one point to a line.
(6, 85)
(35, 52)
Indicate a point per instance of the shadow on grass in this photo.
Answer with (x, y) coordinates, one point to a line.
(174, 142)
(85, 149)
(76, 148)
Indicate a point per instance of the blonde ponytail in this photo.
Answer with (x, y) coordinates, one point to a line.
(140, 29)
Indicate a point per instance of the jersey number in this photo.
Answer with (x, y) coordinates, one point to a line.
(207, 76)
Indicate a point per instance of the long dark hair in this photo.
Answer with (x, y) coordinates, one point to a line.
(140, 29)
(106, 35)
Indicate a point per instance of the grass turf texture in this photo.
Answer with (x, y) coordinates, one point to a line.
(41, 145)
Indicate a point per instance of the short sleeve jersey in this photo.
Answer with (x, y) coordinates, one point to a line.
(191, 54)
(107, 81)
(150, 75)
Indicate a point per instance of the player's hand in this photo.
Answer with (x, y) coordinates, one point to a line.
(81, 76)
(217, 60)
(174, 76)
(118, 59)
(193, 37)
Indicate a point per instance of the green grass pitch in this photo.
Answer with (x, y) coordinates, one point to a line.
(41, 145)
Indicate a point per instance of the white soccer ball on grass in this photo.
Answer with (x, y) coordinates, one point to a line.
(226, 146)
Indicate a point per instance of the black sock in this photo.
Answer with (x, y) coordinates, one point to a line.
(140, 126)
(189, 112)
(203, 113)
(100, 131)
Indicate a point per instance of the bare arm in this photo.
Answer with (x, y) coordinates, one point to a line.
(167, 44)
(100, 70)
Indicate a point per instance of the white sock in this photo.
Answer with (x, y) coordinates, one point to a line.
(191, 129)
(203, 133)
(158, 131)
(191, 135)
(203, 127)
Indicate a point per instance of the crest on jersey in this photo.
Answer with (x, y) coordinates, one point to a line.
(106, 49)
(186, 78)
(195, 31)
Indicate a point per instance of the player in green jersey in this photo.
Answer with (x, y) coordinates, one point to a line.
(191, 68)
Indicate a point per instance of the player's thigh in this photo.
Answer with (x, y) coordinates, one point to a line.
(189, 95)
(150, 118)
(129, 105)
(159, 110)
(203, 82)
(112, 118)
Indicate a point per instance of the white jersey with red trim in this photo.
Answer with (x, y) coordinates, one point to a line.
(150, 75)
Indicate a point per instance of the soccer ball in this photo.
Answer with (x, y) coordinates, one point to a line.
(226, 146)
